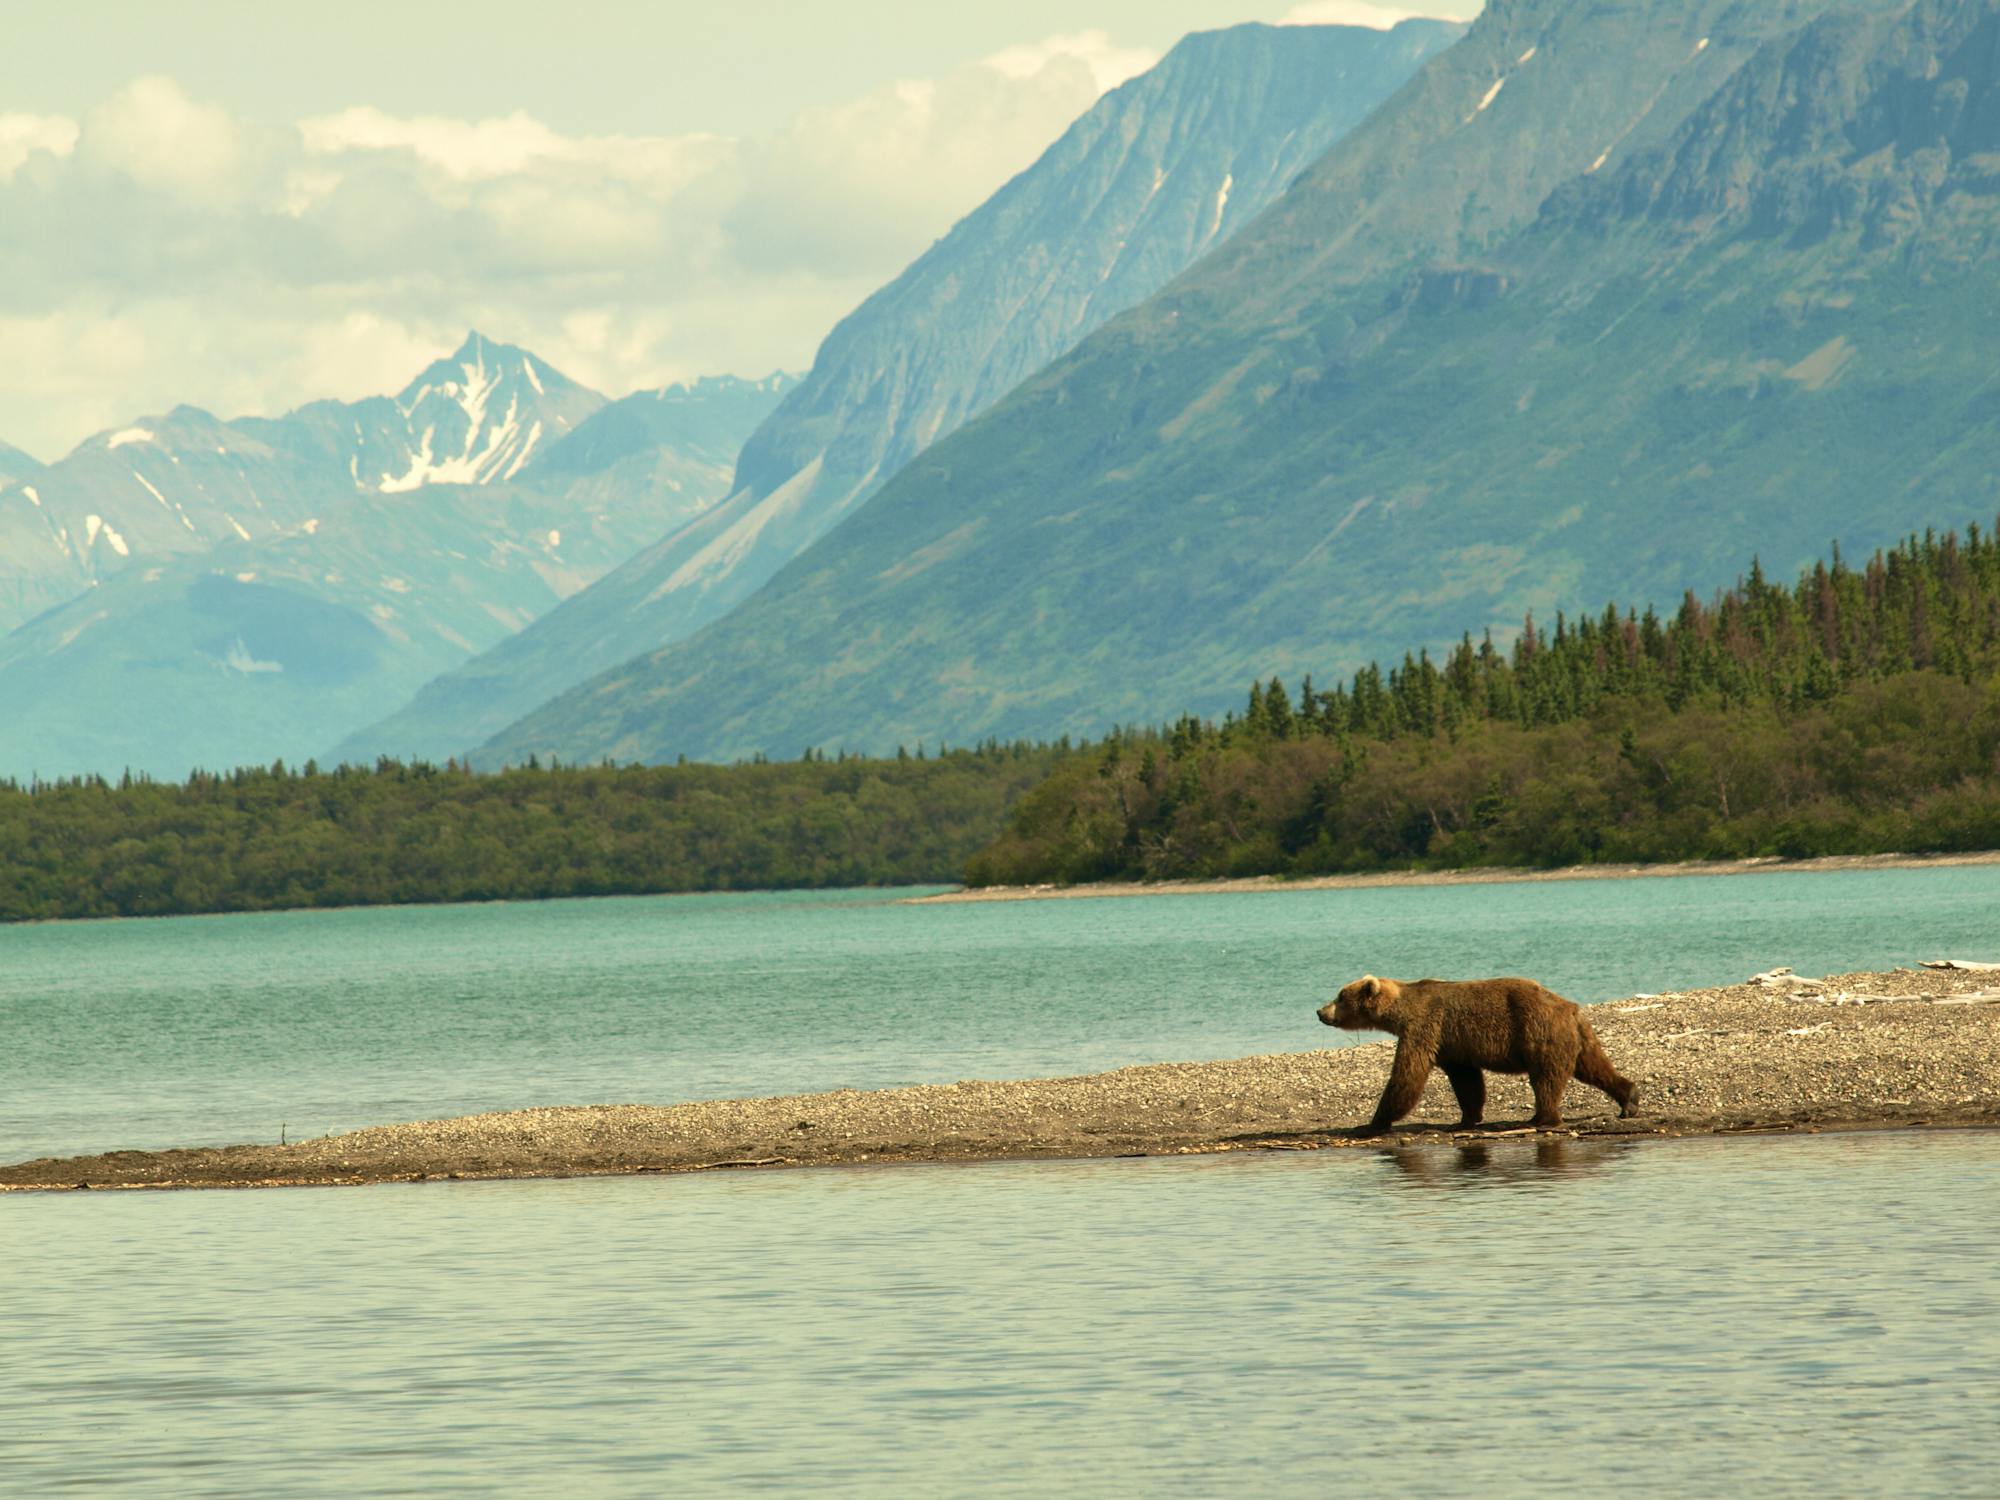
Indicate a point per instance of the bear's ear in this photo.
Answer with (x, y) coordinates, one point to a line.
(1370, 986)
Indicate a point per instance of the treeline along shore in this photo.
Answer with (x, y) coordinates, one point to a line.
(1911, 1047)
(269, 838)
(1856, 711)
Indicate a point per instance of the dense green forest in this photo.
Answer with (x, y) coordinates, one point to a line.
(260, 839)
(1856, 711)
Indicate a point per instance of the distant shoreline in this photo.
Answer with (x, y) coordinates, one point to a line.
(1902, 1049)
(1824, 864)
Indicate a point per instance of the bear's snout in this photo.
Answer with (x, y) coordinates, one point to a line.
(1326, 1014)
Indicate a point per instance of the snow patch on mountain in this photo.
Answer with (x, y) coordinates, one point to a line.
(464, 400)
(534, 437)
(239, 659)
(96, 526)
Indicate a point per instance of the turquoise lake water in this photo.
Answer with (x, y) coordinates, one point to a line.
(215, 1030)
(1799, 1316)
(1810, 1317)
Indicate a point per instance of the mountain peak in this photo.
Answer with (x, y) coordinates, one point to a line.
(1149, 179)
(1240, 475)
(476, 415)
(480, 360)
(16, 464)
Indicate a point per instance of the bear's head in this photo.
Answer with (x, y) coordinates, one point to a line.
(1359, 1006)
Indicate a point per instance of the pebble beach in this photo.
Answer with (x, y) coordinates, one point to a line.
(1780, 1052)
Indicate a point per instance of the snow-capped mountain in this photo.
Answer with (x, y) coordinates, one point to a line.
(190, 591)
(160, 486)
(187, 480)
(478, 416)
(473, 418)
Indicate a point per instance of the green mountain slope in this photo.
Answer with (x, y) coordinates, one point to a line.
(1157, 172)
(1609, 295)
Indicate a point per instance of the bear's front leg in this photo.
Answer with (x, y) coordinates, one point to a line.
(1407, 1076)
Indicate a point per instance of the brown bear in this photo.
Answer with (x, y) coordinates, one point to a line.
(1464, 1026)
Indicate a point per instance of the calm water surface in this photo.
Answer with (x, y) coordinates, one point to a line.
(1789, 1317)
(215, 1030)
(1810, 1317)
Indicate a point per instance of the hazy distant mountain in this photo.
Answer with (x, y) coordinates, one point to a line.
(184, 481)
(22, 529)
(475, 417)
(16, 465)
(703, 420)
(162, 486)
(1607, 298)
(350, 573)
(1156, 174)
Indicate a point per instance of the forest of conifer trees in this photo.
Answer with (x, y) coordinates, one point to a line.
(267, 838)
(1856, 711)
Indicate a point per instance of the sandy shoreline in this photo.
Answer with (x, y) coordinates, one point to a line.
(1910, 1047)
(1831, 863)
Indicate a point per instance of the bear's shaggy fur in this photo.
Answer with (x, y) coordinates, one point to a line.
(1466, 1026)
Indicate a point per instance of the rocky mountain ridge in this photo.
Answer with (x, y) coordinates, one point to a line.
(1606, 297)
(1158, 173)
(185, 480)
(276, 581)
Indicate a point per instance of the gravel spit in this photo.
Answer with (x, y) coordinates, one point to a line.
(1910, 1047)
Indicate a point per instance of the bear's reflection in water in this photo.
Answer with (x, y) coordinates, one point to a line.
(1505, 1163)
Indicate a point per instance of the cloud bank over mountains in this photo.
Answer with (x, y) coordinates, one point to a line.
(161, 250)
(1367, 13)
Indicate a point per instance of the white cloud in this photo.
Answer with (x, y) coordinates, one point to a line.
(1109, 64)
(161, 251)
(871, 182)
(69, 369)
(474, 150)
(151, 132)
(1364, 13)
(22, 135)
(361, 354)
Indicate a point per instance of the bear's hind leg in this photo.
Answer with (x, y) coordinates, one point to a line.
(1469, 1084)
(1548, 1086)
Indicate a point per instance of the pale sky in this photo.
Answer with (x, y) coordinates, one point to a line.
(246, 205)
